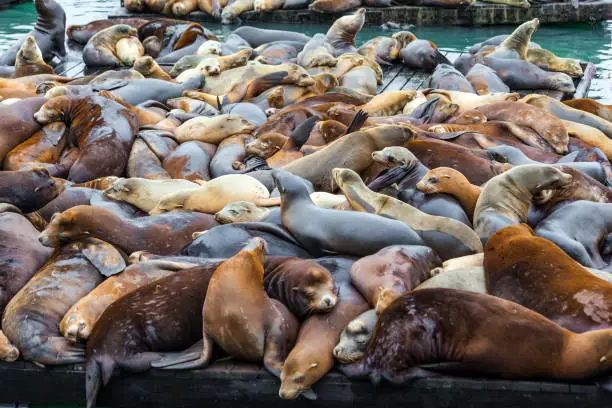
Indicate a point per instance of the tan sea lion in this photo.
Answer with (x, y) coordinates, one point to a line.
(388, 103)
(590, 135)
(550, 62)
(317, 52)
(470, 279)
(8, 352)
(29, 60)
(342, 33)
(234, 9)
(145, 194)
(213, 129)
(448, 237)
(384, 50)
(211, 65)
(333, 6)
(101, 48)
(128, 50)
(591, 106)
(180, 8)
(236, 291)
(268, 5)
(506, 198)
(468, 101)
(450, 181)
(150, 69)
(213, 195)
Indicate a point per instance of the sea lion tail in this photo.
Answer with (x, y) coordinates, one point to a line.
(358, 121)
(96, 374)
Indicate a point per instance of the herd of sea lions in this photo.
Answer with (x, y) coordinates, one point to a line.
(255, 196)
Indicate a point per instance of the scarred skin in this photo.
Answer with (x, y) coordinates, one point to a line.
(101, 128)
(161, 234)
(537, 274)
(471, 333)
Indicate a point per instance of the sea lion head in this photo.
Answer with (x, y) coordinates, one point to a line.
(210, 67)
(439, 180)
(29, 53)
(404, 38)
(326, 80)
(52, 111)
(345, 178)
(44, 87)
(134, 5)
(573, 68)
(63, 227)
(156, 5)
(355, 338)
(152, 46)
(290, 186)
(266, 145)
(145, 65)
(180, 9)
(120, 189)
(299, 76)
(314, 289)
(240, 211)
(538, 177)
(209, 47)
(394, 156)
(297, 377)
(562, 82)
(122, 30)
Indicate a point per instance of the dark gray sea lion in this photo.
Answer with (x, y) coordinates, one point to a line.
(447, 77)
(335, 231)
(49, 33)
(485, 80)
(259, 36)
(28, 190)
(141, 90)
(422, 54)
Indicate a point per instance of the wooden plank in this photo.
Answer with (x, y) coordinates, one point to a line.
(401, 79)
(389, 74)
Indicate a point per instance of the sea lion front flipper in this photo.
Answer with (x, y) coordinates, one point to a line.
(103, 256)
(196, 356)
(412, 374)
(109, 85)
(439, 58)
(358, 121)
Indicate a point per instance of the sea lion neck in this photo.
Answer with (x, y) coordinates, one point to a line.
(107, 226)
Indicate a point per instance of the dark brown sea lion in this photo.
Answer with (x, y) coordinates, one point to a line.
(101, 128)
(28, 190)
(160, 234)
(487, 336)
(422, 54)
(32, 317)
(82, 33)
(173, 324)
(29, 60)
(18, 123)
(445, 76)
(49, 33)
(386, 275)
(270, 330)
(537, 274)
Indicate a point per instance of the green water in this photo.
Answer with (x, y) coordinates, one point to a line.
(583, 41)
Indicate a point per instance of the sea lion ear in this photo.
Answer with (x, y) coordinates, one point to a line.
(105, 257)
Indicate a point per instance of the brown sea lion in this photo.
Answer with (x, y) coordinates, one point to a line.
(82, 33)
(383, 277)
(18, 123)
(537, 274)
(488, 336)
(29, 60)
(172, 324)
(383, 50)
(333, 6)
(101, 128)
(591, 106)
(270, 330)
(190, 161)
(285, 95)
(161, 234)
(143, 163)
(101, 183)
(450, 181)
(30, 320)
(341, 35)
(28, 190)
(147, 66)
(32, 82)
(101, 48)
(179, 8)
(506, 198)
(43, 149)
(80, 319)
(290, 150)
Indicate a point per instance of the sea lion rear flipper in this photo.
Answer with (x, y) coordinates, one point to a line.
(569, 158)
(109, 85)
(358, 121)
(196, 356)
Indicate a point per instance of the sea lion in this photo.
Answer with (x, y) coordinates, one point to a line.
(129, 317)
(21, 254)
(101, 183)
(517, 43)
(161, 234)
(209, 65)
(179, 8)
(101, 49)
(141, 90)
(355, 337)
(149, 68)
(128, 50)
(539, 275)
(331, 6)
(189, 161)
(352, 151)
(82, 33)
(28, 190)
(341, 35)
(241, 211)
(423, 55)
(271, 330)
(384, 50)
(18, 123)
(43, 149)
(80, 319)
(318, 52)
(337, 231)
(550, 62)
(566, 112)
(448, 237)
(213, 195)
(508, 325)
(29, 60)
(214, 129)
(450, 181)
(386, 275)
(234, 9)
(445, 76)
(579, 228)
(49, 33)
(259, 36)
(505, 199)
(590, 135)
(591, 106)
(312, 357)
(547, 125)
(470, 101)
(144, 163)
(31, 318)
(485, 80)
(101, 128)
(145, 194)
(470, 279)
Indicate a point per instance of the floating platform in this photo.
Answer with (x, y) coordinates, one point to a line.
(227, 384)
(477, 14)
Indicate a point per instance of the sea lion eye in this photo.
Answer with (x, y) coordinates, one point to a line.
(432, 180)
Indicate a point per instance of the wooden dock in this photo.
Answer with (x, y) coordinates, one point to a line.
(477, 14)
(227, 384)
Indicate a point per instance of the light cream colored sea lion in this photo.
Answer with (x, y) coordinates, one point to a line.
(214, 65)
(454, 234)
(8, 352)
(234, 9)
(590, 135)
(209, 47)
(29, 60)
(145, 193)
(128, 50)
(317, 52)
(471, 279)
(213, 129)
(268, 5)
(149, 68)
(468, 101)
(388, 103)
(213, 195)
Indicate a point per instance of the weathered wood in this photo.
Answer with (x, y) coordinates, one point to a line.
(582, 89)
(236, 385)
